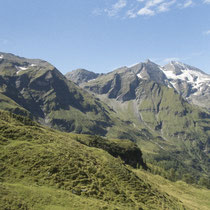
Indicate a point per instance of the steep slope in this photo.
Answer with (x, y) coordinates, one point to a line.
(41, 90)
(169, 130)
(79, 76)
(38, 166)
(121, 83)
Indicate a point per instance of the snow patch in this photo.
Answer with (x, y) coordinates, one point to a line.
(23, 68)
(91, 80)
(20, 68)
(139, 76)
(32, 65)
(1, 56)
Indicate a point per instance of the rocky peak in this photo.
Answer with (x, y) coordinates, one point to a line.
(79, 76)
(192, 83)
(151, 71)
(178, 67)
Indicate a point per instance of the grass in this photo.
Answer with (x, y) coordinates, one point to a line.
(45, 198)
(42, 168)
(193, 197)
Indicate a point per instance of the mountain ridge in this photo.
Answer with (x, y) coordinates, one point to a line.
(190, 82)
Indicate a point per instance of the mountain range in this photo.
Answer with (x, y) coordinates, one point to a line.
(107, 126)
(145, 103)
(190, 82)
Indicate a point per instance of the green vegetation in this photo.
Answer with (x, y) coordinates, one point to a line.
(39, 165)
(43, 92)
(193, 197)
(184, 130)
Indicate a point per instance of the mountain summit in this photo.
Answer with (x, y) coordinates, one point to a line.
(192, 83)
(81, 75)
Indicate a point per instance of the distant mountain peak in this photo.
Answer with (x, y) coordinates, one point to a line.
(192, 83)
(79, 76)
(177, 67)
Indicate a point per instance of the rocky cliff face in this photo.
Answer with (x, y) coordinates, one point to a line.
(122, 83)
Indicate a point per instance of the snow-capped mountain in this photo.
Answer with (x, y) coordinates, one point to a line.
(192, 83)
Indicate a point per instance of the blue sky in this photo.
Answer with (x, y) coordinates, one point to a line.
(100, 35)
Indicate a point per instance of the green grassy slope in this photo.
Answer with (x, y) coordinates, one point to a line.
(46, 169)
(185, 129)
(193, 197)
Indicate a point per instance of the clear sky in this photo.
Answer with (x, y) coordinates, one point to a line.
(100, 35)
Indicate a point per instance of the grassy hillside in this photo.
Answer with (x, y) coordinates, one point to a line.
(193, 197)
(46, 169)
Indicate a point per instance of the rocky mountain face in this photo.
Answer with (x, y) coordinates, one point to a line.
(122, 83)
(38, 89)
(79, 76)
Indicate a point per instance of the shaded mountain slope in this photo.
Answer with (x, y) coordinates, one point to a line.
(49, 97)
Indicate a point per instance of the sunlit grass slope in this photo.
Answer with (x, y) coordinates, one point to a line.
(193, 197)
(42, 168)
